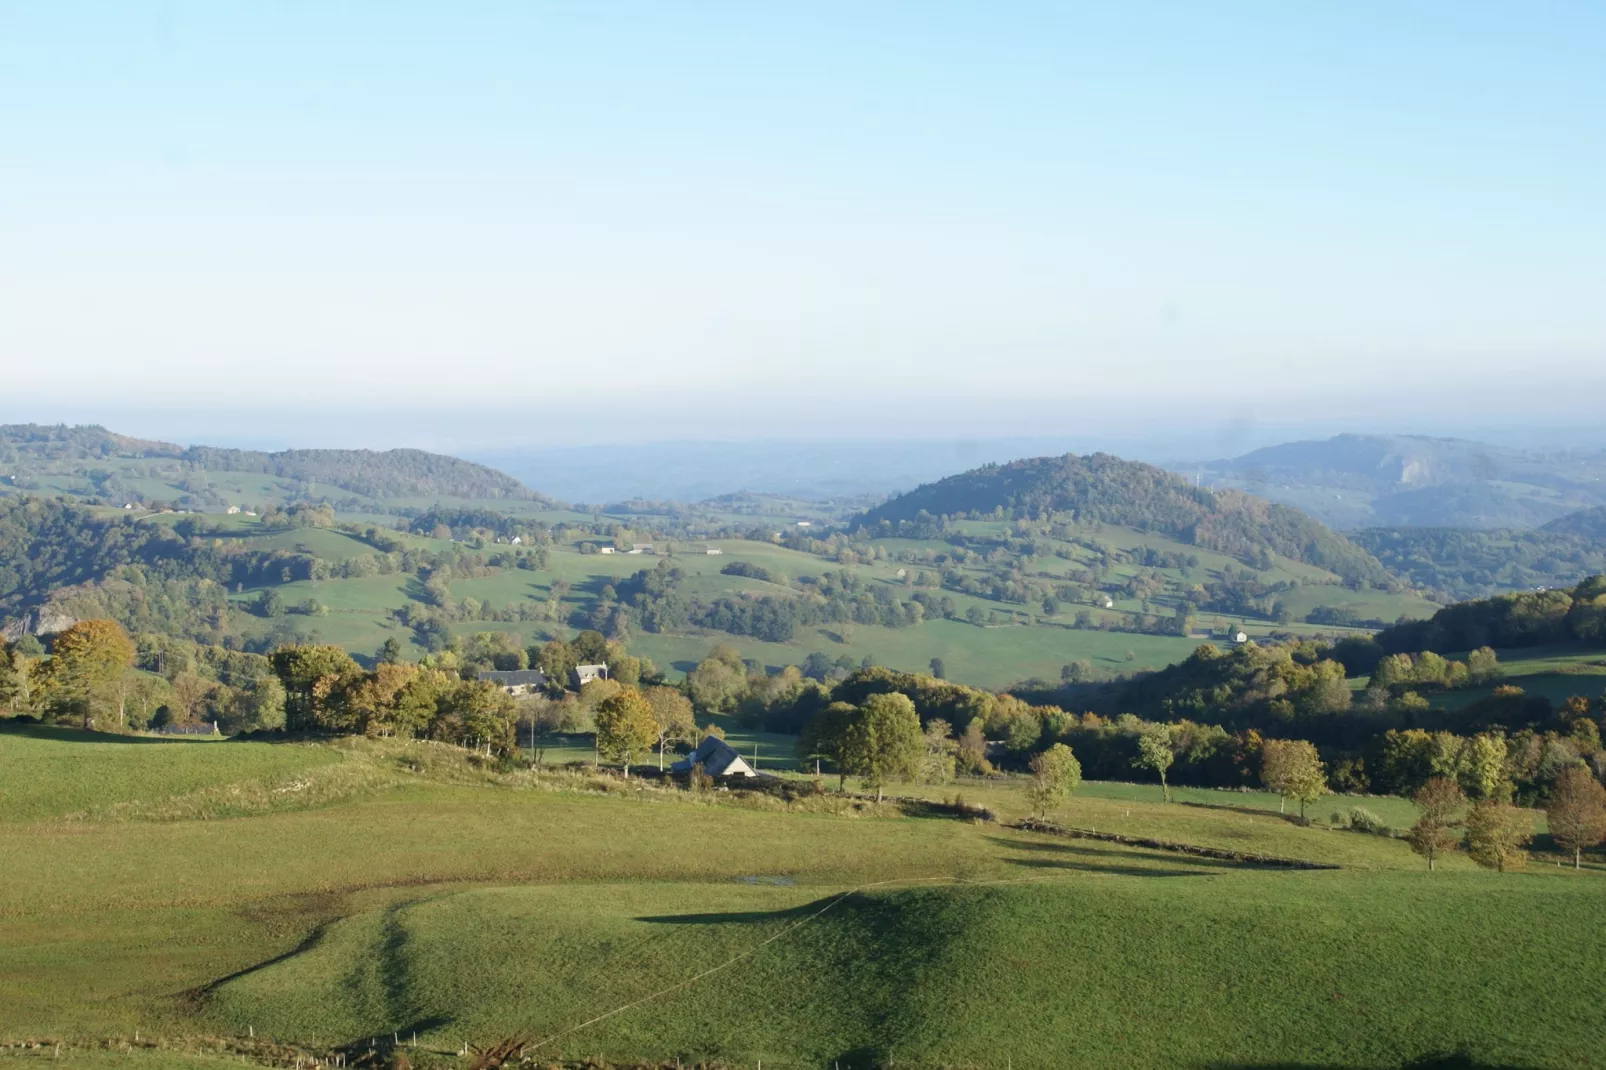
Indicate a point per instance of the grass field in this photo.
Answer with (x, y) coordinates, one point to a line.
(995, 654)
(416, 893)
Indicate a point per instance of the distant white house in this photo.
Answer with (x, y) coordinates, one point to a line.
(605, 550)
(517, 540)
(804, 524)
(1240, 637)
(717, 758)
(517, 681)
(584, 674)
(233, 509)
(714, 551)
(1109, 603)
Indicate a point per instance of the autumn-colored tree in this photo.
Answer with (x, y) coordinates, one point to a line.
(372, 699)
(672, 713)
(1434, 833)
(883, 741)
(970, 754)
(1292, 768)
(625, 727)
(419, 702)
(1055, 774)
(1577, 812)
(1498, 835)
(314, 679)
(85, 664)
(16, 679)
(937, 763)
(1154, 752)
(188, 695)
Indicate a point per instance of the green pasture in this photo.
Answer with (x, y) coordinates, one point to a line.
(418, 895)
(51, 772)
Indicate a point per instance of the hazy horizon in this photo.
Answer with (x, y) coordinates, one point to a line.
(641, 223)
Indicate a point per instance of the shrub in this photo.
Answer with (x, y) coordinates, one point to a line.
(1363, 820)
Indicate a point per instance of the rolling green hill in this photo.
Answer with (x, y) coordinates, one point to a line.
(1107, 490)
(93, 463)
(419, 896)
(1586, 523)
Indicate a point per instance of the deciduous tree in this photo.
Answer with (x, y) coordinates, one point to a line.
(625, 727)
(1055, 774)
(85, 663)
(1498, 835)
(883, 741)
(1435, 833)
(1577, 812)
(1292, 768)
(1154, 752)
(672, 714)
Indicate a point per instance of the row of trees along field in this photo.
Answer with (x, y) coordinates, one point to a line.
(875, 724)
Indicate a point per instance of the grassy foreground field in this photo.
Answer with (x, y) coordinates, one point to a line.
(396, 889)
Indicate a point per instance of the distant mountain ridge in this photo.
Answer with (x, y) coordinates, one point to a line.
(1105, 489)
(32, 450)
(1358, 481)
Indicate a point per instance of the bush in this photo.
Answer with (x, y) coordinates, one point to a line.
(1363, 820)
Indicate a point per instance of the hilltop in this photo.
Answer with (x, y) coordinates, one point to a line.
(1101, 489)
(1357, 481)
(1586, 524)
(93, 463)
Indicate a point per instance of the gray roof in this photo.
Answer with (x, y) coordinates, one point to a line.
(513, 676)
(717, 758)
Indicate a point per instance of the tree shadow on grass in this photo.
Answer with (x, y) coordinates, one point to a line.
(1251, 811)
(1438, 1061)
(740, 917)
(1087, 851)
(67, 734)
(1100, 867)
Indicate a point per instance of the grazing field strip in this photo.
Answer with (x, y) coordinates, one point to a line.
(1248, 858)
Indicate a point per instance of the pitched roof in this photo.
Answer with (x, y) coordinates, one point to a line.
(717, 758)
(513, 676)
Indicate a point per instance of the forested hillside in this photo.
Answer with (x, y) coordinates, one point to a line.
(1586, 523)
(1533, 618)
(1453, 564)
(1099, 488)
(92, 462)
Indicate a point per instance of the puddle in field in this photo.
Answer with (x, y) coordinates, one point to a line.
(784, 882)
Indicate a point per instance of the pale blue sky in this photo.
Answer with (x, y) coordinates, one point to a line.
(729, 219)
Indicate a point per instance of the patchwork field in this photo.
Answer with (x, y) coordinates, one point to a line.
(180, 892)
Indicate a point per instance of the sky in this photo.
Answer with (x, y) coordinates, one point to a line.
(498, 224)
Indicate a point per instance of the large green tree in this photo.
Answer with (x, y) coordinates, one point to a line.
(883, 741)
(626, 728)
(314, 679)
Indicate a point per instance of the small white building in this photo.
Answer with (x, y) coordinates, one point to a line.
(584, 674)
(232, 510)
(605, 550)
(714, 551)
(1240, 637)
